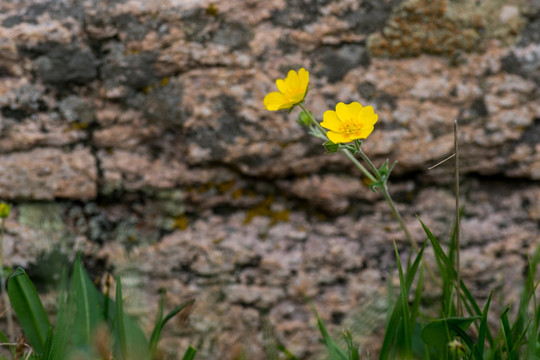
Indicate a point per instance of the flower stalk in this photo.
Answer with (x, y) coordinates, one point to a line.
(378, 177)
(4, 213)
(342, 130)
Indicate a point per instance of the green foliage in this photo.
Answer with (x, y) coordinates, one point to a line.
(26, 303)
(410, 334)
(88, 324)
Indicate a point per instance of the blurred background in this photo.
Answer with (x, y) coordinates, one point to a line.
(134, 131)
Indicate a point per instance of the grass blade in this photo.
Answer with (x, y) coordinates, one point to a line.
(393, 323)
(407, 329)
(352, 351)
(335, 351)
(63, 327)
(154, 339)
(120, 319)
(190, 353)
(286, 352)
(29, 309)
(88, 305)
(507, 335)
(479, 354)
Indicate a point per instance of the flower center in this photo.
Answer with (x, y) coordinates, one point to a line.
(350, 128)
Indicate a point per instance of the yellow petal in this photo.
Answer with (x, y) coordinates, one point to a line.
(367, 116)
(364, 133)
(354, 108)
(275, 101)
(282, 86)
(342, 111)
(303, 76)
(331, 121)
(292, 80)
(338, 138)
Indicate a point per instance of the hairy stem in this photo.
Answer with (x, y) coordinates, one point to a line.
(395, 211)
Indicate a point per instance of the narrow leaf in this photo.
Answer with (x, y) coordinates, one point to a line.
(335, 351)
(120, 319)
(190, 353)
(156, 334)
(29, 309)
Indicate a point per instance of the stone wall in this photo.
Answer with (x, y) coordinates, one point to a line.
(135, 131)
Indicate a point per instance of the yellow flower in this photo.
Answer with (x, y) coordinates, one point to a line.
(292, 91)
(349, 122)
(4, 210)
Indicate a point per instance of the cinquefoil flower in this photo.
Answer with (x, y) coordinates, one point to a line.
(292, 91)
(349, 122)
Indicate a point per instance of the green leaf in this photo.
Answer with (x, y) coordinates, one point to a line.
(406, 311)
(132, 342)
(286, 352)
(120, 319)
(440, 332)
(64, 326)
(335, 351)
(331, 147)
(352, 350)
(385, 171)
(154, 339)
(29, 309)
(479, 354)
(88, 305)
(446, 268)
(394, 321)
(190, 353)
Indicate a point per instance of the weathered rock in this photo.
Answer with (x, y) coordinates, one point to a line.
(47, 174)
(136, 132)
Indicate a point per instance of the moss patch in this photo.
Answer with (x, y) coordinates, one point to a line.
(444, 27)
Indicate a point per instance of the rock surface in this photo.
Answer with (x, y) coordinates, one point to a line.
(136, 132)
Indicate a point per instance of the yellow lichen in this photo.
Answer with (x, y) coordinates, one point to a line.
(180, 222)
(265, 209)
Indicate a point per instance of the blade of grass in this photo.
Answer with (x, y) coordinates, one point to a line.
(190, 353)
(407, 329)
(154, 339)
(450, 270)
(335, 351)
(479, 353)
(29, 309)
(352, 351)
(120, 319)
(507, 335)
(64, 322)
(88, 305)
(393, 323)
(286, 352)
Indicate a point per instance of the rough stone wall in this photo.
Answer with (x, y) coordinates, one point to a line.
(135, 131)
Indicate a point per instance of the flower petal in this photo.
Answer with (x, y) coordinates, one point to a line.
(292, 80)
(331, 120)
(367, 116)
(282, 86)
(355, 108)
(275, 101)
(364, 133)
(342, 111)
(338, 138)
(303, 77)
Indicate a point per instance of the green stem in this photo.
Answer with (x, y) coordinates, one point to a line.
(388, 198)
(366, 159)
(315, 122)
(395, 211)
(5, 298)
(359, 165)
